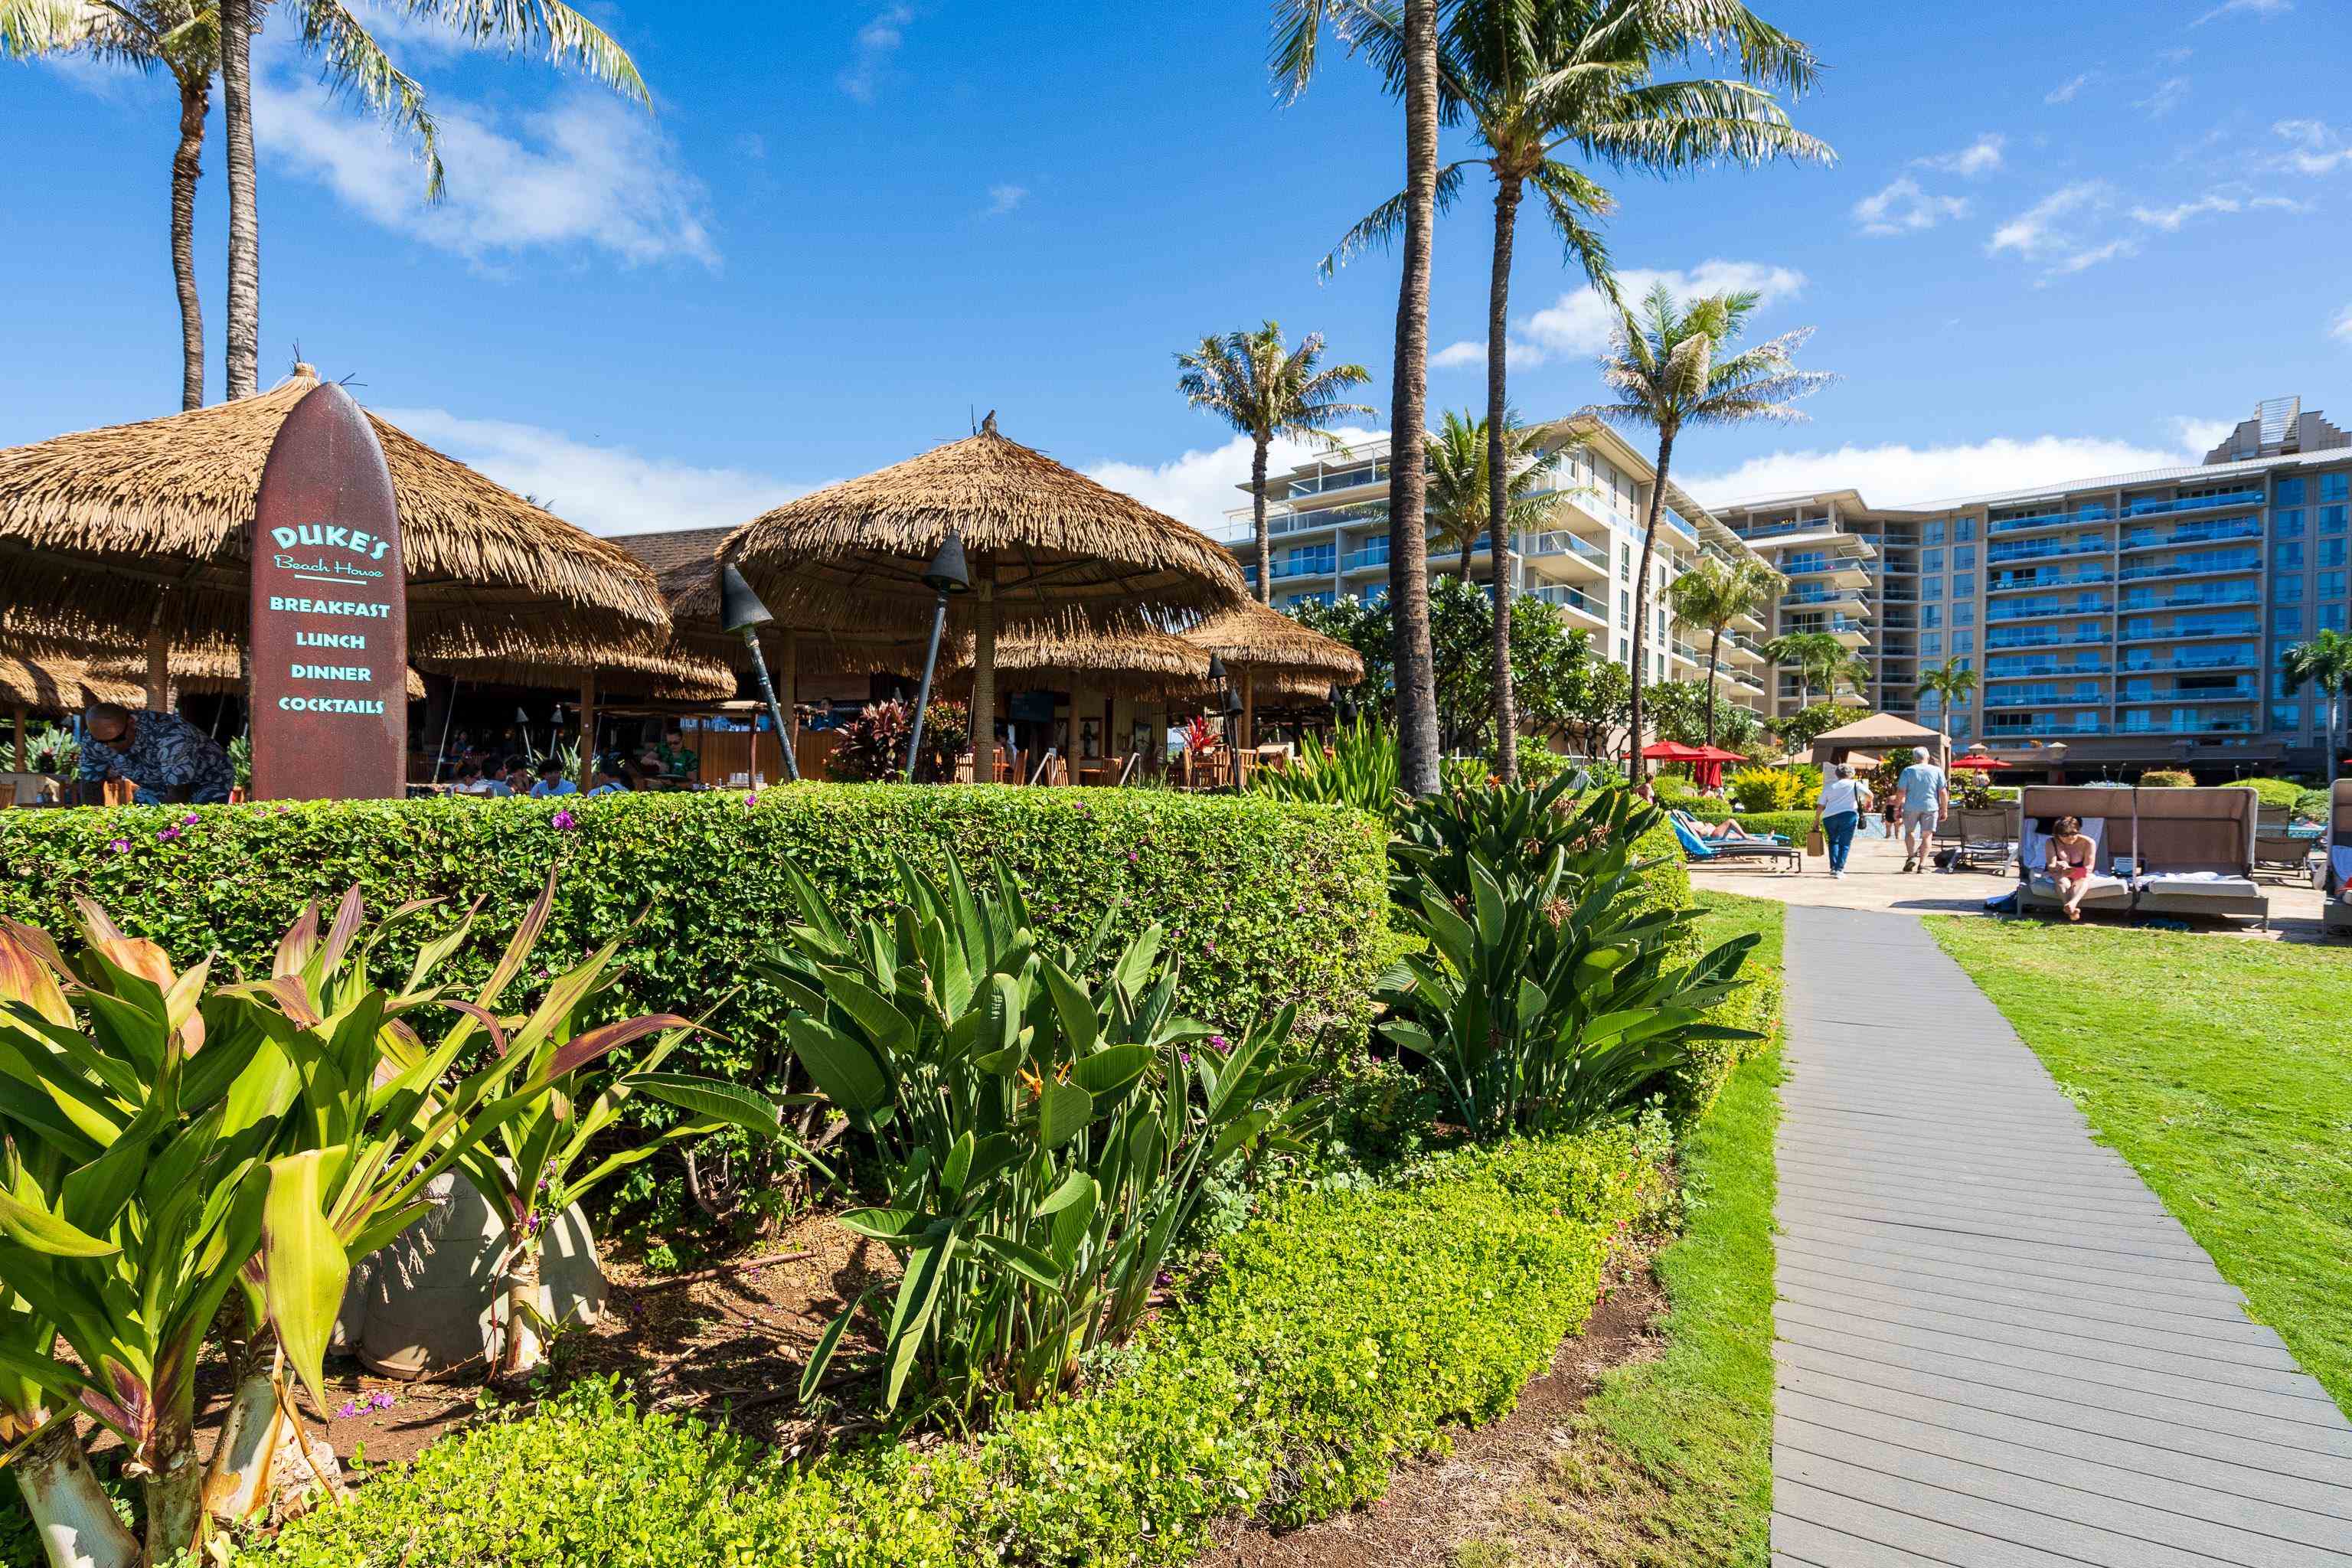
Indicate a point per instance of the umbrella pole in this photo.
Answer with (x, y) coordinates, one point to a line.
(923, 694)
(768, 692)
(448, 712)
(984, 679)
(1249, 710)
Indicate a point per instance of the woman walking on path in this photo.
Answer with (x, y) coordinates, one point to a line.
(1839, 812)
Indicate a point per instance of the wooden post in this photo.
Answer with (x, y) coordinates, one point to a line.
(159, 662)
(587, 727)
(983, 678)
(20, 739)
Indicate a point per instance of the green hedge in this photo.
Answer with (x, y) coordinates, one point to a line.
(1343, 1331)
(1264, 903)
(1790, 825)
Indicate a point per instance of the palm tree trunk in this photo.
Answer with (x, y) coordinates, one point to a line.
(1498, 481)
(1469, 548)
(1416, 677)
(244, 219)
(72, 1517)
(1257, 512)
(188, 164)
(1714, 662)
(1635, 769)
(175, 1489)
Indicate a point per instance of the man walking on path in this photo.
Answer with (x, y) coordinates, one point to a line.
(1925, 796)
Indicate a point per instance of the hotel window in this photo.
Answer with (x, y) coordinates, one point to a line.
(2288, 556)
(1964, 642)
(2331, 584)
(1931, 644)
(1964, 528)
(1931, 588)
(1963, 557)
(1932, 531)
(2286, 590)
(1931, 561)
(1624, 604)
(1964, 614)
(2331, 617)
(2336, 486)
(2331, 551)
(2286, 716)
(1624, 562)
(1964, 584)
(2287, 524)
(2331, 519)
(1930, 616)
(2289, 492)
(2286, 623)
(1624, 651)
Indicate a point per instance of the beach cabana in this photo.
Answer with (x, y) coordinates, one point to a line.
(1047, 547)
(138, 533)
(1265, 652)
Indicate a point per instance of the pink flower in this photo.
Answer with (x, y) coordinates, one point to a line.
(1218, 1042)
(189, 820)
(381, 1400)
(168, 834)
(751, 799)
(120, 846)
(566, 821)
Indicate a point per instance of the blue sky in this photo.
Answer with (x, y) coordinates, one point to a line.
(2058, 241)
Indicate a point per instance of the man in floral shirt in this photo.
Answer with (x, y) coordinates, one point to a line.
(169, 759)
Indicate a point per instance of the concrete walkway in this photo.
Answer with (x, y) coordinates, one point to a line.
(1995, 1349)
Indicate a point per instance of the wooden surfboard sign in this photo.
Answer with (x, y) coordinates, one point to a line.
(329, 630)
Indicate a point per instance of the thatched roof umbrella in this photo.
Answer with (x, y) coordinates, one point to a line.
(1254, 644)
(1047, 546)
(1135, 662)
(141, 531)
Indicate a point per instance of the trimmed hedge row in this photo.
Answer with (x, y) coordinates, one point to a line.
(1265, 904)
(1343, 1331)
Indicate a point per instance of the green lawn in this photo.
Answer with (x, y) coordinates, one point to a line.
(1671, 1462)
(2222, 1071)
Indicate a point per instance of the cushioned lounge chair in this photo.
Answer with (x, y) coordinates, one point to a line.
(2336, 867)
(2195, 854)
(1788, 857)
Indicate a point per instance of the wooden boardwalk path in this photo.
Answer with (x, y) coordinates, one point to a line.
(1995, 1348)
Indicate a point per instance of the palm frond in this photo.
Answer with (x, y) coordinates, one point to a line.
(356, 64)
(1376, 229)
(1672, 128)
(33, 28)
(1569, 195)
(567, 38)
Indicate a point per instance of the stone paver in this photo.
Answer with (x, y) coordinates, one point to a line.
(1994, 1347)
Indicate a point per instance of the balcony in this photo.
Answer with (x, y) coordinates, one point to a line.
(2045, 578)
(2191, 598)
(2042, 669)
(1686, 652)
(1806, 598)
(2192, 503)
(1559, 549)
(1320, 566)
(2028, 609)
(2196, 725)
(2047, 727)
(1364, 560)
(2049, 519)
(1681, 527)
(2051, 636)
(2217, 532)
(1575, 602)
(2080, 697)
(2222, 658)
(2046, 549)
(2186, 631)
(2212, 567)
(2239, 692)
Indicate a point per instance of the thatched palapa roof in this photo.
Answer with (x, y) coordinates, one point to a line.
(59, 685)
(1064, 551)
(95, 525)
(670, 673)
(1254, 640)
(1139, 662)
(685, 563)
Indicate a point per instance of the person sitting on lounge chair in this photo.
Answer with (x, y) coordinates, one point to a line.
(2071, 853)
(1724, 832)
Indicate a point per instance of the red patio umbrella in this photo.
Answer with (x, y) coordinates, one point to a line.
(1708, 765)
(1673, 752)
(1978, 760)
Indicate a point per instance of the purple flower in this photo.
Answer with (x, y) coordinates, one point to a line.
(1132, 857)
(565, 822)
(168, 834)
(381, 1400)
(120, 846)
(348, 1408)
(189, 820)
(752, 798)
(1219, 1043)
(1184, 1056)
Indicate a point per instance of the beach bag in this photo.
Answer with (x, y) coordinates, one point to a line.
(1817, 843)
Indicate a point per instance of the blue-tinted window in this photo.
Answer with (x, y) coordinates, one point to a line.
(1931, 615)
(2288, 493)
(1965, 556)
(1964, 642)
(1964, 528)
(1931, 588)
(1964, 614)
(2331, 551)
(1932, 533)
(1964, 584)
(2336, 486)
(2331, 519)
(1931, 561)
(2287, 557)
(1931, 644)
(2287, 622)
(2287, 523)
(2286, 590)
(2286, 716)
(2331, 617)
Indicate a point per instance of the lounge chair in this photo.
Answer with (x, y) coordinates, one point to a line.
(1699, 848)
(1985, 835)
(2100, 809)
(2196, 854)
(2335, 867)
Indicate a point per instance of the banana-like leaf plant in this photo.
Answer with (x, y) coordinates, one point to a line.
(1042, 1140)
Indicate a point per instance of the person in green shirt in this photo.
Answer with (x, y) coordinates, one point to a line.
(676, 760)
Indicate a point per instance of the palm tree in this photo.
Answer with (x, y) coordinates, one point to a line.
(1663, 367)
(1950, 681)
(1819, 657)
(2325, 661)
(1298, 27)
(183, 38)
(1713, 594)
(357, 63)
(1247, 379)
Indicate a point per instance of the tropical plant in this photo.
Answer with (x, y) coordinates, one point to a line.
(1800, 730)
(2167, 778)
(1951, 683)
(1769, 789)
(1298, 29)
(1549, 999)
(1201, 735)
(1668, 370)
(358, 64)
(1688, 712)
(873, 746)
(1357, 767)
(1265, 392)
(2326, 662)
(1043, 1143)
(1714, 594)
(1818, 656)
(52, 750)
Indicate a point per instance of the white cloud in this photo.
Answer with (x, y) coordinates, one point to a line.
(2167, 97)
(2252, 7)
(2199, 436)
(1580, 322)
(2343, 327)
(585, 170)
(1003, 199)
(877, 42)
(1903, 208)
(1979, 157)
(2091, 256)
(605, 489)
(1200, 486)
(2038, 232)
(2315, 147)
(1470, 351)
(2169, 219)
(2065, 91)
(1900, 475)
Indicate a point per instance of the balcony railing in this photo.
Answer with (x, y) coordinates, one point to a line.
(2024, 609)
(2200, 724)
(2048, 727)
(2251, 560)
(2193, 534)
(2241, 692)
(2192, 503)
(2053, 637)
(1321, 566)
(1820, 597)
(1559, 593)
(2042, 669)
(2049, 519)
(2042, 699)
(2182, 631)
(2192, 598)
(2241, 659)
(1373, 555)
(1684, 528)
(2046, 549)
(1561, 542)
(2015, 583)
